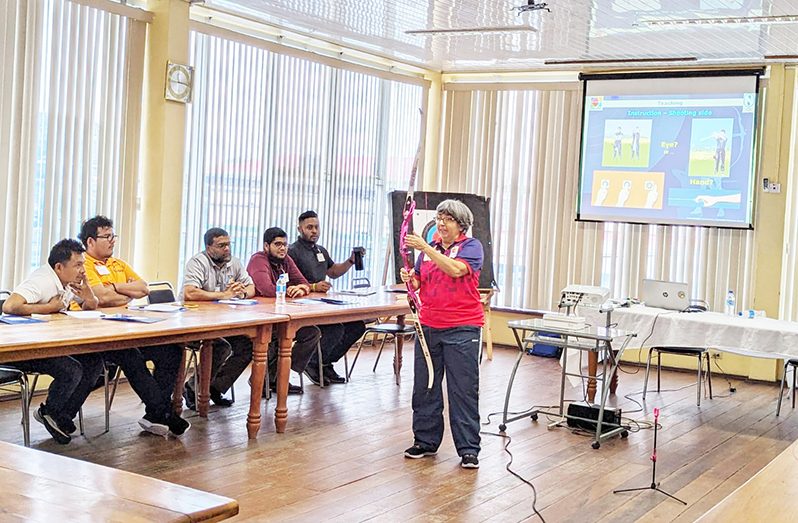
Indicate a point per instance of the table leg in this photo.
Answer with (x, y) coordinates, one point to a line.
(177, 392)
(592, 368)
(614, 382)
(286, 337)
(399, 342)
(204, 392)
(260, 354)
(488, 333)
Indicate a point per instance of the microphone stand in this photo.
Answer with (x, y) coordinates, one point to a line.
(654, 485)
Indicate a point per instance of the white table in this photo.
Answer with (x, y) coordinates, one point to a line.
(758, 337)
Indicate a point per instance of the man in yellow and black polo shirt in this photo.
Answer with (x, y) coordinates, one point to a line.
(115, 283)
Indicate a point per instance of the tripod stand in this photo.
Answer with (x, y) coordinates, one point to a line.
(654, 485)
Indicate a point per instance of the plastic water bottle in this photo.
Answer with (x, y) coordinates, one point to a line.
(282, 284)
(752, 313)
(731, 303)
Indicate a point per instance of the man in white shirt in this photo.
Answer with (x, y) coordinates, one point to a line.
(52, 288)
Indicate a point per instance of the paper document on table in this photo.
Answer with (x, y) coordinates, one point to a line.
(128, 317)
(162, 307)
(10, 319)
(85, 315)
(235, 301)
(358, 292)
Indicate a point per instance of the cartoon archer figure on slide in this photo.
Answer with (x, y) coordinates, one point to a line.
(616, 146)
(624, 194)
(601, 195)
(636, 143)
(720, 150)
(653, 194)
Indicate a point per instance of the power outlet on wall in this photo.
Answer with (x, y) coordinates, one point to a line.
(772, 187)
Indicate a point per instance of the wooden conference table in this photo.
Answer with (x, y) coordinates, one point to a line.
(39, 486)
(203, 321)
(318, 313)
(768, 496)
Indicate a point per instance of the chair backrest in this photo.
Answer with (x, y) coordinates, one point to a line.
(4, 295)
(161, 292)
(10, 375)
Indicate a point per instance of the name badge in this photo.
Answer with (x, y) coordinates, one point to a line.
(454, 251)
(320, 257)
(102, 270)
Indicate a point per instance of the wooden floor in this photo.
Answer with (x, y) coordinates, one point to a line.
(341, 458)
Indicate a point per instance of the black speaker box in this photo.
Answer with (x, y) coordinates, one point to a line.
(591, 412)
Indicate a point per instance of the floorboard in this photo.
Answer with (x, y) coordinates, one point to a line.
(341, 458)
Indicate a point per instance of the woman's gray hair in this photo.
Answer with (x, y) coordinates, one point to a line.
(457, 210)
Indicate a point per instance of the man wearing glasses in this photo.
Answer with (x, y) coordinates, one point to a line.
(214, 274)
(265, 267)
(115, 283)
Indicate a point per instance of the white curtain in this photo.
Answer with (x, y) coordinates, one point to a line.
(520, 148)
(64, 136)
(271, 136)
(788, 305)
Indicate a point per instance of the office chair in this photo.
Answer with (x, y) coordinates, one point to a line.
(696, 352)
(12, 376)
(385, 329)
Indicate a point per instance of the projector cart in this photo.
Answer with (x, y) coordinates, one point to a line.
(588, 338)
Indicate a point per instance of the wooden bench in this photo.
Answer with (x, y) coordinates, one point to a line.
(36, 485)
(771, 495)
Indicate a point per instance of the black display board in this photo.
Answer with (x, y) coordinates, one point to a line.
(424, 224)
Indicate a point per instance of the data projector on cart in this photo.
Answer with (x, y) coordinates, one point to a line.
(570, 297)
(583, 295)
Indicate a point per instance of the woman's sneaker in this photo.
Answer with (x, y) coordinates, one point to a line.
(417, 451)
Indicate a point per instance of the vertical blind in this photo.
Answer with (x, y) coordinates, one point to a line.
(521, 149)
(271, 136)
(64, 133)
(788, 304)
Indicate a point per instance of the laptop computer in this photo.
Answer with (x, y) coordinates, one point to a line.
(665, 294)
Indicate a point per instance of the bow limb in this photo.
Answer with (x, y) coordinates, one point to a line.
(412, 297)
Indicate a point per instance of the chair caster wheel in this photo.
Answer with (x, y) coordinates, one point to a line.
(596, 445)
(502, 427)
(534, 416)
(625, 434)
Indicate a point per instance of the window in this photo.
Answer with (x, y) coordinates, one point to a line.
(271, 136)
(64, 128)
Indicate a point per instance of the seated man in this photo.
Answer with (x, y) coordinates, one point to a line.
(214, 274)
(315, 263)
(49, 289)
(265, 267)
(115, 283)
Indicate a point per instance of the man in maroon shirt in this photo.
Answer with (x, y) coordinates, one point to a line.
(264, 268)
